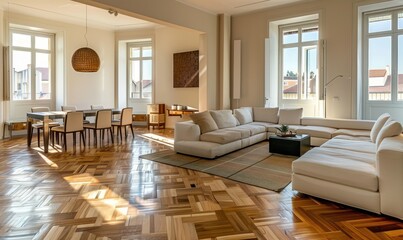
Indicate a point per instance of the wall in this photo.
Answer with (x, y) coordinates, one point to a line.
(84, 89)
(337, 24)
(166, 41)
(2, 103)
(169, 41)
(174, 13)
(73, 88)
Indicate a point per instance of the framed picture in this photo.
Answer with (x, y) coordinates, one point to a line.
(186, 69)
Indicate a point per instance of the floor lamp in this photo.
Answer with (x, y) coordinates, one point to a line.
(327, 85)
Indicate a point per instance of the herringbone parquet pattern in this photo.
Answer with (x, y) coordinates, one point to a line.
(109, 193)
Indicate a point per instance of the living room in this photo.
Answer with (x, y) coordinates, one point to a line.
(178, 27)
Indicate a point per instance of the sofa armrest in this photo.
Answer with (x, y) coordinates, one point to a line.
(389, 162)
(187, 131)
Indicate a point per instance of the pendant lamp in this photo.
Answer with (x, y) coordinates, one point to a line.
(85, 59)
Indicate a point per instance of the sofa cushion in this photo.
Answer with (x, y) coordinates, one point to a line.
(261, 114)
(205, 121)
(223, 118)
(338, 123)
(221, 136)
(245, 133)
(317, 131)
(390, 129)
(351, 132)
(244, 115)
(252, 128)
(380, 122)
(348, 137)
(264, 124)
(353, 145)
(290, 116)
(350, 168)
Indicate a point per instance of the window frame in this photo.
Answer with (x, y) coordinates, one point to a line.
(33, 51)
(394, 34)
(141, 58)
(300, 45)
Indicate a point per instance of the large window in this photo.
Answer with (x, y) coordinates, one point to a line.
(31, 65)
(298, 61)
(140, 70)
(383, 72)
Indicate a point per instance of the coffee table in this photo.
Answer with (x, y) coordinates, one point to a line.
(295, 146)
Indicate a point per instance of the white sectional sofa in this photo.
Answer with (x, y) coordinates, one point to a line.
(215, 133)
(366, 173)
(359, 162)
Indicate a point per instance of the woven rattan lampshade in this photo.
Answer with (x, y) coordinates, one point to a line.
(85, 60)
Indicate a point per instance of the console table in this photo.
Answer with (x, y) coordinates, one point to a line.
(180, 113)
(14, 126)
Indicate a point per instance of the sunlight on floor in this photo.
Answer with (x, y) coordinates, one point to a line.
(110, 209)
(48, 161)
(157, 138)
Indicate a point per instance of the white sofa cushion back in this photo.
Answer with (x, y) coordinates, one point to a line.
(338, 123)
(244, 115)
(261, 114)
(205, 121)
(380, 122)
(390, 129)
(290, 116)
(223, 118)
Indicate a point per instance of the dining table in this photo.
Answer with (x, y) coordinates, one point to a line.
(47, 117)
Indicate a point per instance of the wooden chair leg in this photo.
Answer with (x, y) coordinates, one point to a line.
(39, 137)
(110, 130)
(74, 139)
(65, 141)
(120, 131)
(95, 137)
(131, 126)
(82, 137)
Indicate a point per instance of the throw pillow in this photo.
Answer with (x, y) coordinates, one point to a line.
(244, 115)
(223, 118)
(290, 116)
(390, 129)
(205, 121)
(261, 114)
(380, 122)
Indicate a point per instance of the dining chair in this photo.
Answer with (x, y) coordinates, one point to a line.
(126, 119)
(73, 123)
(97, 107)
(103, 121)
(73, 108)
(69, 108)
(39, 125)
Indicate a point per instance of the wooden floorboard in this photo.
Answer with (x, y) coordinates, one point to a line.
(107, 192)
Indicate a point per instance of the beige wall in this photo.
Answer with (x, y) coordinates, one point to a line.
(73, 88)
(169, 41)
(174, 13)
(338, 20)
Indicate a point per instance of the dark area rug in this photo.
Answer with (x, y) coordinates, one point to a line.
(253, 165)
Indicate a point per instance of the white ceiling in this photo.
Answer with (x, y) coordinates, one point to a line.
(232, 7)
(75, 13)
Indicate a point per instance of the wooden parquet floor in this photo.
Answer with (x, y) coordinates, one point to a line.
(109, 193)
